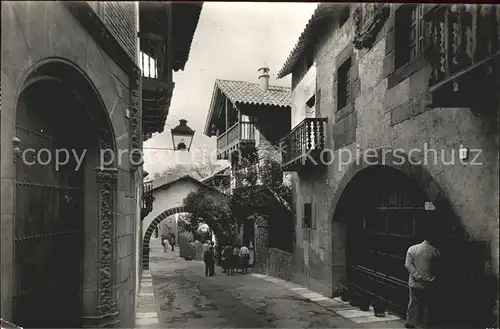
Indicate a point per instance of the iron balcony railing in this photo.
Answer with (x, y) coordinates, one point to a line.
(240, 132)
(462, 37)
(305, 141)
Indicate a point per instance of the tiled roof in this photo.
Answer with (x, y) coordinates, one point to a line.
(244, 92)
(323, 13)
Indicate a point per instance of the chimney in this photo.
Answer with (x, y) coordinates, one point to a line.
(264, 78)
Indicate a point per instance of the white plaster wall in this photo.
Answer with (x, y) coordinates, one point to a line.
(168, 198)
(304, 90)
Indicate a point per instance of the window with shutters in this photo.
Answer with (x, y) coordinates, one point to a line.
(409, 29)
(314, 216)
(307, 215)
(344, 84)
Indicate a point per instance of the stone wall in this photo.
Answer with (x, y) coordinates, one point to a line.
(31, 33)
(389, 116)
(280, 264)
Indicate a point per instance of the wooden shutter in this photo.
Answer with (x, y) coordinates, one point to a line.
(317, 111)
(314, 216)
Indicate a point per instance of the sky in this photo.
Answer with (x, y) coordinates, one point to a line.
(232, 41)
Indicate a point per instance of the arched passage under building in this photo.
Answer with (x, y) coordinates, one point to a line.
(381, 209)
(154, 226)
(169, 200)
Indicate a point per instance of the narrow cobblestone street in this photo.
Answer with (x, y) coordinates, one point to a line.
(186, 298)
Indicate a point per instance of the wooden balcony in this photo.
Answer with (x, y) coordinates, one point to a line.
(157, 87)
(464, 53)
(241, 136)
(301, 148)
(147, 199)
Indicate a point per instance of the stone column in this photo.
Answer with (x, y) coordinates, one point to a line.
(261, 249)
(106, 304)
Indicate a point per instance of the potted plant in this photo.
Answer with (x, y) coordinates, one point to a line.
(337, 292)
(353, 301)
(363, 302)
(346, 294)
(379, 307)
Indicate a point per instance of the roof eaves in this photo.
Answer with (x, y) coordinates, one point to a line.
(322, 12)
(190, 18)
(211, 110)
(188, 177)
(263, 104)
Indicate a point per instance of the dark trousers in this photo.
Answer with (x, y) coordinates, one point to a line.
(209, 268)
(244, 263)
(235, 263)
(420, 308)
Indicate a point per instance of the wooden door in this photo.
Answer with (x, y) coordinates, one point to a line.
(379, 237)
(49, 220)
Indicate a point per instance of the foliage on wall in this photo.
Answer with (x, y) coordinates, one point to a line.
(215, 211)
(223, 214)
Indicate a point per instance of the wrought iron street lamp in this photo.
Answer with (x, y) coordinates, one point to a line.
(182, 136)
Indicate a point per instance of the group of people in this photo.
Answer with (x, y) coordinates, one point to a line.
(233, 258)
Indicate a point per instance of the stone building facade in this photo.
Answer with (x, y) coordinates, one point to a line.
(71, 114)
(365, 96)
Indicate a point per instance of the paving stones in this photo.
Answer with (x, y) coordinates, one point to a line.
(188, 299)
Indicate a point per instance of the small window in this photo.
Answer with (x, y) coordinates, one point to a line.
(307, 220)
(409, 29)
(311, 102)
(344, 84)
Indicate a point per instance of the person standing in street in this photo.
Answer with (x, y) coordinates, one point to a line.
(421, 262)
(205, 246)
(227, 253)
(164, 243)
(208, 257)
(214, 255)
(244, 255)
(172, 241)
(235, 259)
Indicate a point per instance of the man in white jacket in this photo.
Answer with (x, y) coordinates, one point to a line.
(421, 262)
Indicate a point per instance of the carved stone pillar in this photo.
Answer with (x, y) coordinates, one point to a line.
(106, 306)
(261, 249)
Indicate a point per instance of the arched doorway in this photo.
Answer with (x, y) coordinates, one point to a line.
(151, 228)
(383, 213)
(61, 123)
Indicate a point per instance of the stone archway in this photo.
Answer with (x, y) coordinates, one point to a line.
(151, 228)
(58, 107)
(463, 275)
